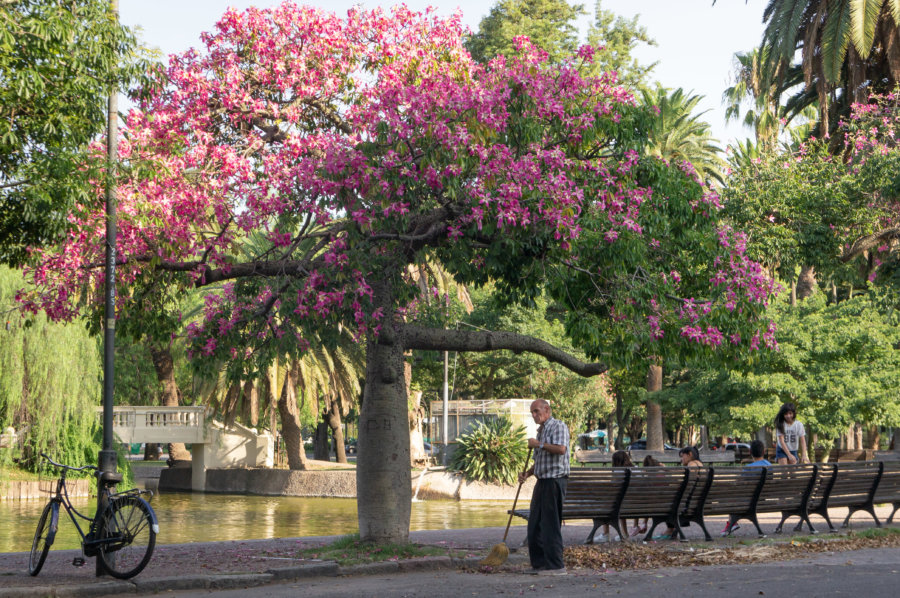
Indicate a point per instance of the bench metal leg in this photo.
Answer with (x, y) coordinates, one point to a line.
(653, 526)
(784, 517)
(752, 518)
(702, 525)
(894, 512)
(590, 538)
(831, 527)
(870, 509)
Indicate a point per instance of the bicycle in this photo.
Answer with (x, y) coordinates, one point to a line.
(122, 537)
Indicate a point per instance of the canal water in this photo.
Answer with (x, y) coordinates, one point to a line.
(197, 517)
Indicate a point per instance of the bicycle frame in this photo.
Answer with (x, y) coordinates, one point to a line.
(120, 519)
(88, 543)
(62, 498)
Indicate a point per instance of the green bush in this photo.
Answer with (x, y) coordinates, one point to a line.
(493, 452)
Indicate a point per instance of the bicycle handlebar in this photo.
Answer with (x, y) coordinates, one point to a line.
(60, 465)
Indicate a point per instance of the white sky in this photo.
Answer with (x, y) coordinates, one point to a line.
(696, 40)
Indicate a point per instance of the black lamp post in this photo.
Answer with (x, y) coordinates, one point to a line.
(107, 458)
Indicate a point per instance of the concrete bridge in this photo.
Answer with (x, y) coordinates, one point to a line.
(213, 445)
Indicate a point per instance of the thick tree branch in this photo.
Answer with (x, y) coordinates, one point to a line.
(868, 242)
(435, 339)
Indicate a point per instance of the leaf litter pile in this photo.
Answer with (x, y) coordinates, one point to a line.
(650, 556)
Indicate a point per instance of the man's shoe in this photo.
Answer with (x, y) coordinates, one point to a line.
(533, 571)
(553, 572)
(601, 538)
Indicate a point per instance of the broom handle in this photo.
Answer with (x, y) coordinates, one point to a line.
(516, 499)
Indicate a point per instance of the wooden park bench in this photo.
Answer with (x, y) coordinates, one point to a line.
(589, 458)
(851, 485)
(607, 495)
(680, 496)
(723, 491)
(888, 491)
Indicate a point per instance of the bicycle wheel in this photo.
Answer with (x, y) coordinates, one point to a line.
(43, 537)
(126, 536)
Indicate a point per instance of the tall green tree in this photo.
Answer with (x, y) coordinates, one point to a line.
(549, 24)
(58, 59)
(617, 37)
(839, 364)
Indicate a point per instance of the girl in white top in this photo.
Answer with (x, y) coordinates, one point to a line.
(790, 444)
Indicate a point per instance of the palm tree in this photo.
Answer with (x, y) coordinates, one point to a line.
(330, 376)
(848, 48)
(750, 86)
(678, 135)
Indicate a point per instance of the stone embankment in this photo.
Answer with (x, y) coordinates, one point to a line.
(21, 490)
(426, 485)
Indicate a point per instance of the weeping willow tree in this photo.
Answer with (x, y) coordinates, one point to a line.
(49, 384)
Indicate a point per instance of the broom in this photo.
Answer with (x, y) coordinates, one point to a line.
(500, 552)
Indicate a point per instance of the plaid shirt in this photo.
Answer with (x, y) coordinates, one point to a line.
(546, 464)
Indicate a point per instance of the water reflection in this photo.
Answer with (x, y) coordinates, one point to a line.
(186, 517)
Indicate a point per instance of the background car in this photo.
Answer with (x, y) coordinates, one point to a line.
(741, 450)
(641, 445)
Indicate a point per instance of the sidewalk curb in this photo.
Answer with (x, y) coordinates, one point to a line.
(221, 581)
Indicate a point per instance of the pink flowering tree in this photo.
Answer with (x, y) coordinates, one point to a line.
(297, 164)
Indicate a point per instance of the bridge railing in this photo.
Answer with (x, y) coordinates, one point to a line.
(158, 424)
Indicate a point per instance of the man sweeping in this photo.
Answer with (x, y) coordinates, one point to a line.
(551, 467)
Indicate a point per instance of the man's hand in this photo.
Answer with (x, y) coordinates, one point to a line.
(525, 475)
(533, 443)
(792, 460)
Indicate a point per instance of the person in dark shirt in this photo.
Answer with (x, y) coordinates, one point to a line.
(551, 467)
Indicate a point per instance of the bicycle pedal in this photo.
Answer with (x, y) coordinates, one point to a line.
(78, 561)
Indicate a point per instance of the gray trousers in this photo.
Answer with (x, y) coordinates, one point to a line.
(545, 543)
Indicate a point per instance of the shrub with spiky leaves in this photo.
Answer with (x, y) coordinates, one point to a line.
(494, 451)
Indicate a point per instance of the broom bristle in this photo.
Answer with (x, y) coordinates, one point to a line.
(498, 556)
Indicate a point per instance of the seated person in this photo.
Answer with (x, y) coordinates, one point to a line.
(757, 451)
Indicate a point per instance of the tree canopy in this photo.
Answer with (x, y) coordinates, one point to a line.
(360, 145)
(58, 61)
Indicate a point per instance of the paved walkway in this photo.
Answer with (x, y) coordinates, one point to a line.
(238, 564)
(873, 573)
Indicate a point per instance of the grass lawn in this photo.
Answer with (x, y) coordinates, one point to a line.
(10, 473)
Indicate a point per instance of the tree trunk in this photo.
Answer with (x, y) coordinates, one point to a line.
(874, 437)
(416, 438)
(704, 438)
(333, 419)
(251, 404)
(857, 432)
(165, 373)
(654, 412)
(151, 451)
(806, 282)
(620, 421)
(793, 293)
(321, 450)
(383, 475)
(290, 421)
(270, 392)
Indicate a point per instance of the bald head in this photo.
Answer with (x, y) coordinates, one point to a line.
(540, 411)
